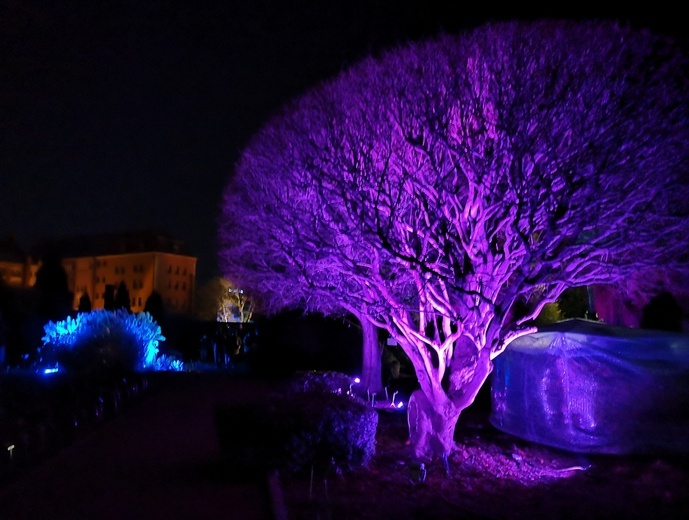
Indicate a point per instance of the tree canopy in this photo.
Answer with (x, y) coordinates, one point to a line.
(437, 188)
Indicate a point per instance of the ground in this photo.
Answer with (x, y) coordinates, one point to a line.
(493, 475)
(161, 454)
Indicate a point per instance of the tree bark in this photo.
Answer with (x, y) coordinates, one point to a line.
(371, 369)
(431, 427)
(432, 421)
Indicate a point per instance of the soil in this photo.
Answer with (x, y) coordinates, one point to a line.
(492, 475)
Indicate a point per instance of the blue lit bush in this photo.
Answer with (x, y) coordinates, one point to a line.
(106, 341)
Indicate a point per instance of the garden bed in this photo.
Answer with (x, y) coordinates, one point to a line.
(493, 475)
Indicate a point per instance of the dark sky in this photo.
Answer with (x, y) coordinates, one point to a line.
(129, 115)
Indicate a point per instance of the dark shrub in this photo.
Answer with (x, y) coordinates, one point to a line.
(330, 429)
(662, 313)
(299, 432)
(326, 382)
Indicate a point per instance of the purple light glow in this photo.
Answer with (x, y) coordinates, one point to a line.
(448, 190)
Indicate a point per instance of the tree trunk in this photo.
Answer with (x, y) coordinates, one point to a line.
(432, 420)
(431, 428)
(371, 369)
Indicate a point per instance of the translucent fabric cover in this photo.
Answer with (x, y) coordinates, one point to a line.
(586, 387)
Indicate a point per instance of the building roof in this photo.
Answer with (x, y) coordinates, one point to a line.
(113, 244)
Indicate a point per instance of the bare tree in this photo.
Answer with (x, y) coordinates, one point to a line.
(122, 297)
(220, 300)
(447, 190)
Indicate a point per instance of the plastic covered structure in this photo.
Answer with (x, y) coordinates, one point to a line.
(586, 387)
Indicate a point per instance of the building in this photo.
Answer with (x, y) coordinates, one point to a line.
(144, 261)
(15, 264)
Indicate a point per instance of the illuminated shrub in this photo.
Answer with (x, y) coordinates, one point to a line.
(317, 428)
(329, 426)
(322, 382)
(329, 429)
(104, 340)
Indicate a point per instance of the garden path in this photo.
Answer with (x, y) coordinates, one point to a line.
(159, 459)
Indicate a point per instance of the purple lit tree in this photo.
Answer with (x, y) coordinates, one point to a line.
(253, 239)
(447, 190)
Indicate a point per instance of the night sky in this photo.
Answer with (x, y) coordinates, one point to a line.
(125, 116)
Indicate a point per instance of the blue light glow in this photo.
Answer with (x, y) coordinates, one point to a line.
(100, 330)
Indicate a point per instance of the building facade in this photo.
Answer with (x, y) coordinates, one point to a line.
(144, 261)
(15, 264)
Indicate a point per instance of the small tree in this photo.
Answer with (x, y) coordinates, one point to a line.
(122, 300)
(448, 190)
(663, 313)
(84, 303)
(155, 306)
(222, 301)
(237, 306)
(54, 297)
(623, 302)
(109, 302)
